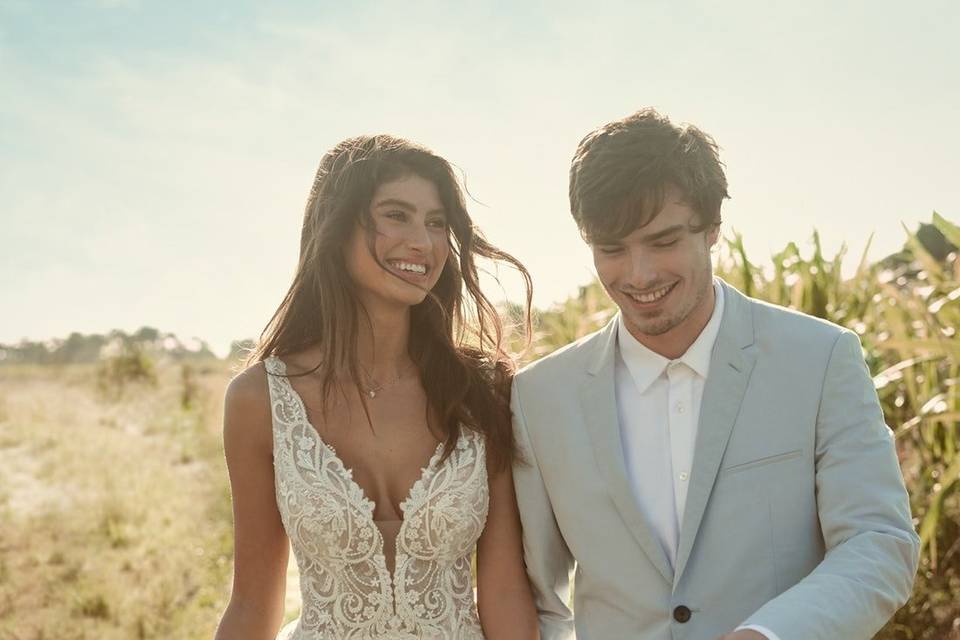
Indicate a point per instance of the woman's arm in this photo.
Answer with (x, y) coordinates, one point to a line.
(255, 611)
(504, 600)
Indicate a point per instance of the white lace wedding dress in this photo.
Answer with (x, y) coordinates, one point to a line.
(346, 587)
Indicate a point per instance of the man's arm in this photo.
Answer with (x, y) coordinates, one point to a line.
(545, 552)
(871, 548)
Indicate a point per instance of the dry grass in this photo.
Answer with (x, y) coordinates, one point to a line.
(114, 511)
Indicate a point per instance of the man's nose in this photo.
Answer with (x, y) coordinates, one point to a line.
(643, 270)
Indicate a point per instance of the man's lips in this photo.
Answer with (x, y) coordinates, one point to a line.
(651, 297)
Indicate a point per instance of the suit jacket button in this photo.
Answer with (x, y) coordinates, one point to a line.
(681, 614)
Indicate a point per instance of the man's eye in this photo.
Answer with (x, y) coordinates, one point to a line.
(609, 251)
(665, 244)
(397, 215)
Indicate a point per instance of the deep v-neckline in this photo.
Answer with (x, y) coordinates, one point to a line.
(369, 505)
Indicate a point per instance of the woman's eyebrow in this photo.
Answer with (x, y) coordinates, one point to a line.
(394, 202)
(403, 204)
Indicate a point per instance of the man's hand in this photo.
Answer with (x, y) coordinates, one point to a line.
(744, 634)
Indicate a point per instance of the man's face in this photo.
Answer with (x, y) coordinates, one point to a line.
(661, 277)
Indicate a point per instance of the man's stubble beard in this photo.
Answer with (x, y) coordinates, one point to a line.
(664, 325)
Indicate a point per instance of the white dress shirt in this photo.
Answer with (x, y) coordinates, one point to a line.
(658, 403)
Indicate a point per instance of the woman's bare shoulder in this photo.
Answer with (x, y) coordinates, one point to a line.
(248, 389)
(246, 406)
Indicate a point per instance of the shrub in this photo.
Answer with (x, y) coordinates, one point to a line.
(124, 364)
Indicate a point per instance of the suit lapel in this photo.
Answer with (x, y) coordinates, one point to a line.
(730, 367)
(599, 402)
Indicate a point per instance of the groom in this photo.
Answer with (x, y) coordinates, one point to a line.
(710, 466)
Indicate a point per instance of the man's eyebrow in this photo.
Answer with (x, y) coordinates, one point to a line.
(653, 237)
(598, 240)
(403, 204)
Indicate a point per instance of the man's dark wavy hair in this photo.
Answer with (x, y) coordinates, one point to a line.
(621, 172)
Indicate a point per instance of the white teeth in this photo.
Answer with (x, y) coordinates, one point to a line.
(413, 268)
(647, 298)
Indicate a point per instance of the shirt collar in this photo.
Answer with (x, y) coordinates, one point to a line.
(646, 366)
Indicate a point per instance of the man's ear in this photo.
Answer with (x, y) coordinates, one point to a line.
(713, 235)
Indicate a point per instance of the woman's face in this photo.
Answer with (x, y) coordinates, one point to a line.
(410, 238)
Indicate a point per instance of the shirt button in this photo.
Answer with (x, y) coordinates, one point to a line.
(682, 614)
(684, 475)
(679, 407)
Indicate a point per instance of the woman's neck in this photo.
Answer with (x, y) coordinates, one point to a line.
(384, 338)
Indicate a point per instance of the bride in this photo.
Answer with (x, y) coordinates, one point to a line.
(373, 431)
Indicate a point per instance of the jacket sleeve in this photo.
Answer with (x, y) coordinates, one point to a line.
(547, 558)
(872, 550)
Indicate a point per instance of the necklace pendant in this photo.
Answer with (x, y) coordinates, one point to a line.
(372, 393)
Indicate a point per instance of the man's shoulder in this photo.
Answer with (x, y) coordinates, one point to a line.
(571, 358)
(789, 326)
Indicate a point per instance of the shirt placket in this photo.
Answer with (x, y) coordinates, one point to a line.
(680, 416)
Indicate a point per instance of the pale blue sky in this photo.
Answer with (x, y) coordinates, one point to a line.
(155, 156)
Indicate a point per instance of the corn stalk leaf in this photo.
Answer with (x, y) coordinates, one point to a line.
(949, 230)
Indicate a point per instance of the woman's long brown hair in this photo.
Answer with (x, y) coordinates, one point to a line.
(456, 335)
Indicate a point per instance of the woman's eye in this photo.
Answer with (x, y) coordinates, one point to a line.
(396, 215)
(438, 223)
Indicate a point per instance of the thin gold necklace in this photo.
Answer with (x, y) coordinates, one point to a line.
(372, 387)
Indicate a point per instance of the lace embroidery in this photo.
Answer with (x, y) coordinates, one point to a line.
(346, 588)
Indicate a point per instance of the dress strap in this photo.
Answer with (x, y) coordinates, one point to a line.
(283, 406)
(274, 365)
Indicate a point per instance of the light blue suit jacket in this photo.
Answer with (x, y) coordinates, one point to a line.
(796, 517)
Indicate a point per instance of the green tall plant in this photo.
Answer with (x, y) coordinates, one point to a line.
(906, 310)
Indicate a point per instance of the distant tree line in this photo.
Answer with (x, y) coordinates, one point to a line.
(79, 348)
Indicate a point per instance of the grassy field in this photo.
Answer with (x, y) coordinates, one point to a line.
(115, 515)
